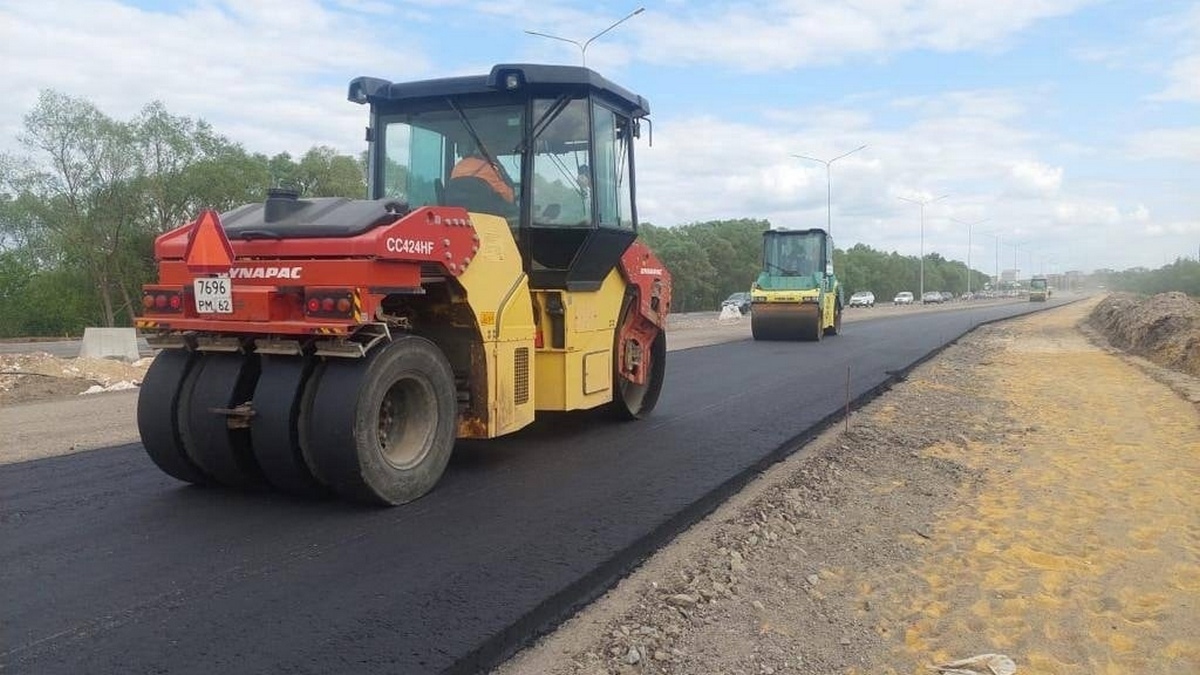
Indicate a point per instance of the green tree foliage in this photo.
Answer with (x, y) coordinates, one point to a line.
(708, 260)
(80, 210)
(322, 172)
(1181, 275)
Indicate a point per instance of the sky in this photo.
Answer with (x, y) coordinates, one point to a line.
(1066, 132)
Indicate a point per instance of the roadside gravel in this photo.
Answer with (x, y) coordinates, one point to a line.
(1025, 494)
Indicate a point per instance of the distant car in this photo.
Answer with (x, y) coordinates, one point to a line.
(862, 299)
(947, 296)
(739, 300)
(903, 298)
(932, 297)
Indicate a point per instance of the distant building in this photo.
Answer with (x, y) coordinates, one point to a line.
(1009, 276)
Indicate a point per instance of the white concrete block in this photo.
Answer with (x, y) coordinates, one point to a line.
(107, 343)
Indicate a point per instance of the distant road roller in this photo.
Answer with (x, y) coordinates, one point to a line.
(341, 346)
(1039, 289)
(797, 296)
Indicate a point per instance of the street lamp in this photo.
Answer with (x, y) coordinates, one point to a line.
(583, 47)
(1017, 258)
(995, 279)
(969, 225)
(829, 185)
(923, 202)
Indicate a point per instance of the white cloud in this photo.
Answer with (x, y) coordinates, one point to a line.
(1086, 213)
(1183, 75)
(1181, 143)
(1035, 178)
(271, 73)
(272, 76)
(793, 33)
(1184, 81)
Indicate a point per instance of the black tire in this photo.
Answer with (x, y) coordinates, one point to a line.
(357, 442)
(275, 427)
(158, 415)
(220, 381)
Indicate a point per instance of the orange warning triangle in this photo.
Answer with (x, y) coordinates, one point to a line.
(208, 250)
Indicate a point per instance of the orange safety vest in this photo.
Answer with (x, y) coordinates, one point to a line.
(479, 167)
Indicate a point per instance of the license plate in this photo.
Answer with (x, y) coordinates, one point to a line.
(214, 295)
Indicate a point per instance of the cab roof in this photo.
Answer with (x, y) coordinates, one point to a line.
(506, 77)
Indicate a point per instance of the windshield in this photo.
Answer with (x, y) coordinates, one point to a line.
(1038, 284)
(454, 156)
(792, 255)
(562, 179)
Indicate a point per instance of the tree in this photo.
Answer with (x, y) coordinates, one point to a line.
(322, 172)
(84, 201)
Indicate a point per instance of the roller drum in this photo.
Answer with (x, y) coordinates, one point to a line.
(786, 321)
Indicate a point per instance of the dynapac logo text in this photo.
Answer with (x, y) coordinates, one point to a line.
(265, 273)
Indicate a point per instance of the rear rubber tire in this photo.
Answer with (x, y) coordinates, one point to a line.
(158, 415)
(381, 429)
(275, 427)
(220, 380)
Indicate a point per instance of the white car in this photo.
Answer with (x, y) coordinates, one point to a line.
(862, 299)
(903, 298)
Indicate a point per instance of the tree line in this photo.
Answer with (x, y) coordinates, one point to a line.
(80, 208)
(1181, 275)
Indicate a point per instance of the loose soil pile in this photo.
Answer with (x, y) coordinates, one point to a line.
(38, 376)
(1164, 328)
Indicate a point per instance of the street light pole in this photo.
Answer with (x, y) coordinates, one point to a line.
(829, 185)
(969, 225)
(922, 203)
(1017, 258)
(996, 278)
(583, 47)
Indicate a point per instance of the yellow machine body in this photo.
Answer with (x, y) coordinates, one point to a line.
(523, 377)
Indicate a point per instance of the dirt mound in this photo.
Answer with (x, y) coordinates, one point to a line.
(1164, 328)
(39, 376)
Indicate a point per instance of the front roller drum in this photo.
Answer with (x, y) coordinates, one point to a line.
(636, 401)
(380, 429)
(786, 321)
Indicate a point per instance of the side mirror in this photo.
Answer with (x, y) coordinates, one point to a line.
(829, 269)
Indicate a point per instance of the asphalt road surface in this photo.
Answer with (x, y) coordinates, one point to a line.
(112, 567)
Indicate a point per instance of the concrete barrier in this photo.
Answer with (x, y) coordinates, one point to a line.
(107, 343)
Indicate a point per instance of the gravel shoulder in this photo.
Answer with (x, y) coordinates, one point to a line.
(1026, 493)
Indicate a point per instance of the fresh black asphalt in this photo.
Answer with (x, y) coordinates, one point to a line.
(110, 566)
